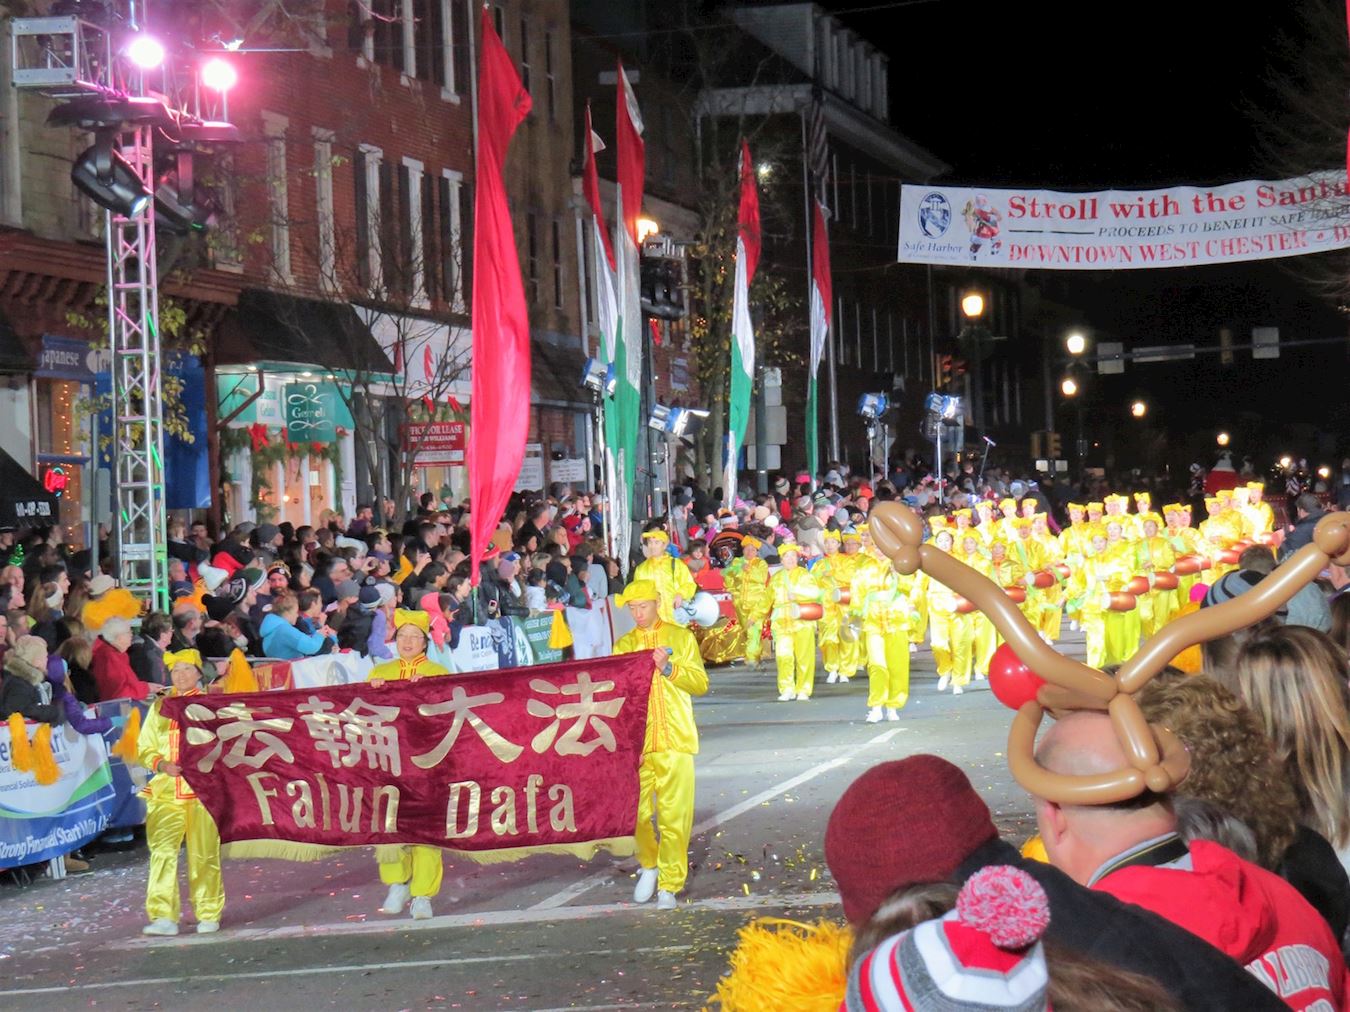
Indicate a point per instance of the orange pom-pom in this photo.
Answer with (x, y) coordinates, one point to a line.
(20, 752)
(126, 748)
(45, 769)
(239, 677)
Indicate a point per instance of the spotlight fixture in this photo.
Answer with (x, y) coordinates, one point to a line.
(108, 179)
(219, 75)
(677, 421)
(873, 406)
(598, 376)
(146, 52)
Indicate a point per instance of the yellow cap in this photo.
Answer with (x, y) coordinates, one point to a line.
(1096, 507)
(1149, 515)
(1005, 503)
(658, 534)
(639, 590)
(750, 541)
(1076, 506)
(829, 534)
(851, 536)
(1256, 486)
(1116, 497)
(938, 523)
(961, 513)
(174, 657)
(789, 547)
(1143, 497)
(407, 616)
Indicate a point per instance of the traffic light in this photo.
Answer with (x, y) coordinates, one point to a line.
(1054, 451)
(662, 279)
(959, 367)
(944, 373)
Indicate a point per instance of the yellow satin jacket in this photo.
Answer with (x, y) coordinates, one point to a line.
(670, 707)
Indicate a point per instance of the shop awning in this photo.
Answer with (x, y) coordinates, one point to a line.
(23, 500)
(273, 327)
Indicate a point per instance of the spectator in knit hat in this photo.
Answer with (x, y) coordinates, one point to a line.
(918, 821)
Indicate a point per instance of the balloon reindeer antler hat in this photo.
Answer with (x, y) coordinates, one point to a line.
(1157, 759)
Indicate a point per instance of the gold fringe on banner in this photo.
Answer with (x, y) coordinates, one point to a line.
(288, 850)
(20, 751)
(45, 769)
(125, 749)
(282, 850)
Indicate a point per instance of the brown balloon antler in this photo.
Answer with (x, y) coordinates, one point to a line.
(1158, 761)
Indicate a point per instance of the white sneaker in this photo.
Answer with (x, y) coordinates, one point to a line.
(787, 697)
(834, 677)
(665, 900)
(163, 926)
(397, 898)
(957, 690)
(208, 927)
(943, 682)
(874, 715)
(802, 697)
(646, 885)
(421, 908)
(914, 648)
(845, 678)
(892, 713)
(980, 676)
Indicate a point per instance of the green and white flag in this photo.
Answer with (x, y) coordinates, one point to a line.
(742, 331)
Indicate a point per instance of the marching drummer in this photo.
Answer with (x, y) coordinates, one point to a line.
(796, 607)
(674, 583)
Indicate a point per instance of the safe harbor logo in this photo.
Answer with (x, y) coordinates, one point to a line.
(935, 215)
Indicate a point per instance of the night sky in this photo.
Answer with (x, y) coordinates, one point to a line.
(1145, 94)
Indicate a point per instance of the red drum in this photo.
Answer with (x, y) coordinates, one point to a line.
(1121, 601)
(842, 595)
(1187, 565)
(1266, 538)
(808, 611)
(1062, 568)
(1163, 580)
(1016, 594)
(1137, 585)
(964, 606)
(1042, 579)
(1229, 556)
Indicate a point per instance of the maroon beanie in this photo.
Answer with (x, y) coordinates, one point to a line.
(902, 823)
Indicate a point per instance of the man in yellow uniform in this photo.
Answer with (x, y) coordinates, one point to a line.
(666, 776)
(748, 581)
(1030, 556)
(1118, 510)
(1095, 512)
(942, 615)
(173, 814)
(1217, 534)
(1184, 540)
(1052, 599)
(1088, 594)
(988, 528)
(1117, 569)
(1074, 547)
(983, 637)
(673, 580)
(409, 870)
(1154, 555)
(844, 568)
(831, 646)
(1005, 529)
(888, 614)
(1262, 516)
(794, 639)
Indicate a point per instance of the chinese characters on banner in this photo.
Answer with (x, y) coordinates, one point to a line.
(1177, 227)
(527, 757)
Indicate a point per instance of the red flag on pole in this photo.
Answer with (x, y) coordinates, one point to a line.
(499, 413)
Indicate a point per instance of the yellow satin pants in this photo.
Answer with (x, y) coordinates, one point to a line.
(794, 648)
(1121, 636)
(987, 640)
(167, 825)
(887, 669)
(1155, 610)
(961, 646)
(754, 635)
(851, 648)
(666, 792)
(1094, 635)
(418, 867)
(939, 639)
(831, 649)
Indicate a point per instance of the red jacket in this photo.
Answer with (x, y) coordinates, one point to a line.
(1251, 914)
(113, 675)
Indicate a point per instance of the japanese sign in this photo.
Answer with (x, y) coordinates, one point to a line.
(314, 412)
(1112, 229)
(508, 760)
(436, 444)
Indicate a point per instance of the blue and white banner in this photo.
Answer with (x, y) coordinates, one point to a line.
(1181, 226)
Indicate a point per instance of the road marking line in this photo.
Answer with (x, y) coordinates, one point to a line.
(312, 970)
(571, 892)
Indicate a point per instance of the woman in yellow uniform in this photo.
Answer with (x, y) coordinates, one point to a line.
(666, 776)
(948, 635)
(1074, 546)
(173, 815)
(988, 526)
(1087, 597)
(1052, 598)
(1029, 554)
(1153, 554)
(973, 626)
(794, 639)
(748, 581)
(1006, 571)
(1262, 516)
(888, 614)
(673, 580)
(1217, 535)
(411, 871)
(1116, 570)
(843, 569)
(1184, 540)
(831, 648)
(1095, 512)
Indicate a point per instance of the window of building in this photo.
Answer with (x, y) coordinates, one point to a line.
(858, 333)
(390, 266)
(532, 255)
(412, 245)
(431, 236)
(864, 79)
(550, 79)
(881, 101)
(323, 208)
(871, 216)
(366, 177)
(890, 343)
(451, 239)
(876, 342)
(360, 30)
(499, 22)
(386, 18)
(853, 195)
(278, 195)
(557, 264)
(834, 179)
(457, 46)
(428, 27)
(825, 47)
(525, 53)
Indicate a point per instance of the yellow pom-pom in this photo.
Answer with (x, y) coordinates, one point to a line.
(20, 752)
(125, 749)
(239, 677)
(787, 966)
(559, 636)
(1034, 850)
(45, 769)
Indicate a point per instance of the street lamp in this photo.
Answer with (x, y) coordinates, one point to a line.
(1286, 462)
(1069, 387)
(646, 227)
(1222, 439)
(1324, 472)
(1139, 409)
(1076, 343)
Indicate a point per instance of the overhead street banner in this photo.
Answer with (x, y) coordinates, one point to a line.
(1182, 226)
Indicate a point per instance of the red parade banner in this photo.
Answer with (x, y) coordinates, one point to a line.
(509, 761)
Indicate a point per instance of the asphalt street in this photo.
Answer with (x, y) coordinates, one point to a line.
(543, 933)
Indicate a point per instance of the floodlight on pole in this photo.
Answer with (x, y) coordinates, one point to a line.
(1139, 409)
(1286, 462)
(219, 75)
(146, 52)
(1324, 472)
(1222, 439)
(646, 227)
(1076, 343)
(1068, 386)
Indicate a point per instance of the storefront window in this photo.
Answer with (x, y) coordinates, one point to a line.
(62, 444)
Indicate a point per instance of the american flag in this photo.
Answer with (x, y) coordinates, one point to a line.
(817, 146)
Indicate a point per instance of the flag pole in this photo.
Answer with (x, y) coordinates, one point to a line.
(812, 422)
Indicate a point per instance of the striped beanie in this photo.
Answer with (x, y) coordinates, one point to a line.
(986, 954)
